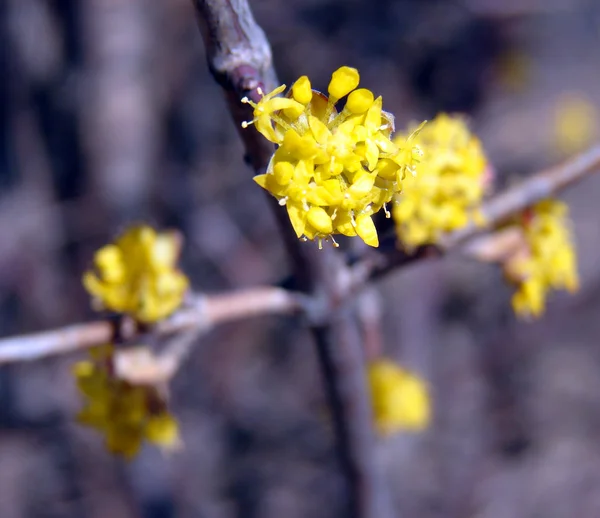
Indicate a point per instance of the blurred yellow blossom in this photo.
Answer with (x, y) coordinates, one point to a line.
(575, 123)
(332, 169)
(549, 260)
(399, 398)
(126, 414)
(448, 186)
(137, 274)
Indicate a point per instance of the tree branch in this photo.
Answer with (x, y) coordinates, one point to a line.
(240, 59)
(544, 184)
(479, 241)
(202, 314)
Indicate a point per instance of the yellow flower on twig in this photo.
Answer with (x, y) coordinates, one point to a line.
(137, 275)
(332, 169)
(548, 260)
(448, 186)
(399, 398)
(126, 414)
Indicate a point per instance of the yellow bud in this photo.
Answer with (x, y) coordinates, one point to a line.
(320, 220)
(301, 91)
(343, 81)
(360, 100)
(283, 172)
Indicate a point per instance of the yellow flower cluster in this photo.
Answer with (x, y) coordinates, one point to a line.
(332, 170)
(126, 414)
(576, 123)
(137, 275)
(399, 398)
(448, 185)
(549, 260)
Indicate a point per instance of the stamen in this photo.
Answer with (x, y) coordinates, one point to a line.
(352, 221)
(283, 201)
(334, 215)
(278, 120)
(335, 243)
(387, 212)
(259, 91)
(245, 124)
(320, 243)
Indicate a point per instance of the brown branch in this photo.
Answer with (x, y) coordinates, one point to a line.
(240, 59)
(201, 314)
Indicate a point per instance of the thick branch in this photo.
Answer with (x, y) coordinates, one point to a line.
(240, 59)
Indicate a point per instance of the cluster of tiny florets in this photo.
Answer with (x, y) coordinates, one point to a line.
(137, 275)
(448, 186)
(332, 170)
(126, 414)
(547, 262)
(399, 398)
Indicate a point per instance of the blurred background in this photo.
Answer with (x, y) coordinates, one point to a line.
(109, 116)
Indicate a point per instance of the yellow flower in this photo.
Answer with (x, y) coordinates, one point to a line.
(332, 170)
(126, 414)
(137, 275)
(399, 398)
(575, 123)
(549, 261)
(448, 186)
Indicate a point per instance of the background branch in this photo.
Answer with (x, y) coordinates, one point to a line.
(480, 241)
(201, 313)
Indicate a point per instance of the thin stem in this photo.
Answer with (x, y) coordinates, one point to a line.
(202, 313)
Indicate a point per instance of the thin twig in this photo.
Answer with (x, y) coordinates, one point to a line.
(475, 238)
(542, 185)
(202, 313)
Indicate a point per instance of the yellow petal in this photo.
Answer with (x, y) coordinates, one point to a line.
(318, 218)
(365, 228)
(297, 217)
(283, 172)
